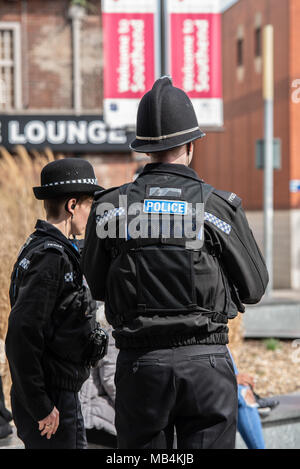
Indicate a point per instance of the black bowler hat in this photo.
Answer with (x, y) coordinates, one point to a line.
(66, 177)
(166, 119)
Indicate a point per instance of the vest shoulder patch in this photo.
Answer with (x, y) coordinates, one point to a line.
(230, 197)
(53, 245)
(221, 224)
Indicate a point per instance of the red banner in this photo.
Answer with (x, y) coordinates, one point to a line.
(129, 57)
(195, 55)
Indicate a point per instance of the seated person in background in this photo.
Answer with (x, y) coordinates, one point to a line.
(5, 416)
(250, 406)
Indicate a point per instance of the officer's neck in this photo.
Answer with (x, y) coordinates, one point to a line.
(169, 158)
(64, 225)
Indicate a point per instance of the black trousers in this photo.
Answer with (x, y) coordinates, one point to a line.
(4, 413)
(191, 388)
(70, 433)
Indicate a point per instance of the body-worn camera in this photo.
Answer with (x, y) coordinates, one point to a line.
(97, 346)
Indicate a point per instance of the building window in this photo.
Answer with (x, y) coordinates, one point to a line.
(258, 42)
(240, 52)
(10, 66)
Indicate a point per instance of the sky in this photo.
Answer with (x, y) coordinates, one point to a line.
(228, 3)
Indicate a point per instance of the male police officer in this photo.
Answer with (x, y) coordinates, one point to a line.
(171, 278)
(48, 327)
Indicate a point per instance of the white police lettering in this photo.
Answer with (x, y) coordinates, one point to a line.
(171, 207)
(54, 245)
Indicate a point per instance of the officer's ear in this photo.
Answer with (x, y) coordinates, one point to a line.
(190, 152)
(70, 206)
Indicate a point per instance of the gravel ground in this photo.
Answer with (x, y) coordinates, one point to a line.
(276, 371)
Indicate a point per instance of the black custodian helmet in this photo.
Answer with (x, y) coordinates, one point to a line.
(166, 119)
(65, 177)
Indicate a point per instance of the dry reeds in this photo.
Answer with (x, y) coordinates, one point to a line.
(236, 336)
(19, 211)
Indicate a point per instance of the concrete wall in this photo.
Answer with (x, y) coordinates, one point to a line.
(227, 159)
(286, 245)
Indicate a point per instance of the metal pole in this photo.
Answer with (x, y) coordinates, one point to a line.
(163, 16)
(268, 94)
(76, 14)
(76, 64)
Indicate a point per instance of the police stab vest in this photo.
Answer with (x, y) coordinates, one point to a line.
(162, 244)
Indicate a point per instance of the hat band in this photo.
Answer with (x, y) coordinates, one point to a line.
(72, 181)
(164, 137)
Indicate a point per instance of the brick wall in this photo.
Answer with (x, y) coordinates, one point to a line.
(114, 170)
(294, 116)
(47, 53)
(227, 159)
(46, 38)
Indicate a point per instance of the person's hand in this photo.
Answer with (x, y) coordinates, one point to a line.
(49, 425)
(245, 380)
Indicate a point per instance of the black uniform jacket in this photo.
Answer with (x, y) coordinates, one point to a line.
(48, 326)
(161, 296)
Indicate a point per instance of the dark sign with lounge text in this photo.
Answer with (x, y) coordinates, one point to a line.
(80, 134)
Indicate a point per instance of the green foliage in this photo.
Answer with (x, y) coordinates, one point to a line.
(272, 344)
(84, 4)
(81, 3)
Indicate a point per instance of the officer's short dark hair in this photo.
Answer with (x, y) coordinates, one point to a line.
(54, 207)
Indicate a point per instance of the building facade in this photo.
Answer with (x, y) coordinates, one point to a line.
(228, 159)
(51, 69)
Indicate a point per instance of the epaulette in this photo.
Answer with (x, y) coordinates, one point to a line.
(27, 242)
(230, 197)
(53, 245)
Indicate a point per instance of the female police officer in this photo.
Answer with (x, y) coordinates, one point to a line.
(48, 326)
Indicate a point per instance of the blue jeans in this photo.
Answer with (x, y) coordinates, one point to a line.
(249, 423)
